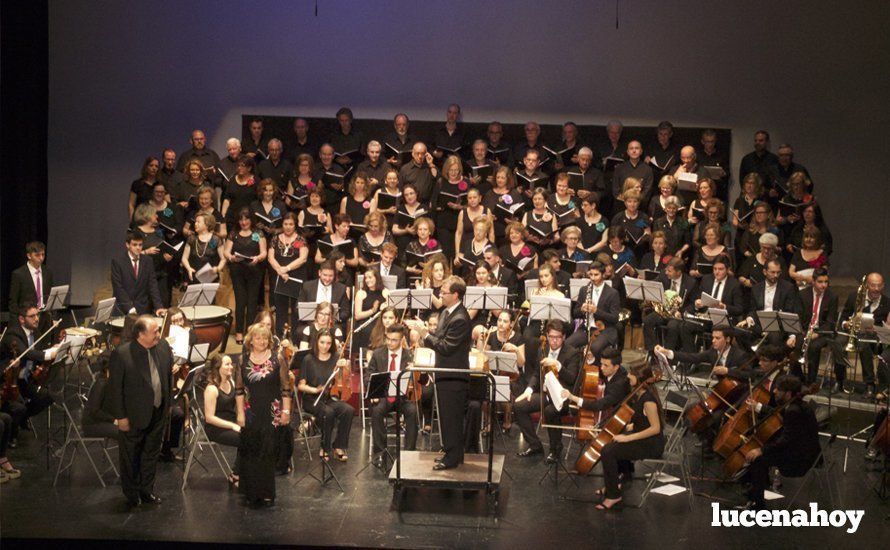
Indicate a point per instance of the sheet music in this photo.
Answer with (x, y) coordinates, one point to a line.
(178, 339)
(554, 389)
(205, 274)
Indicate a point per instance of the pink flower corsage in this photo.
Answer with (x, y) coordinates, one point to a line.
(526, 251)
(666, 259)
(431, 244)
(310, 185)
(250, 181)
(366, 205)
(462, 185)
(508, 200)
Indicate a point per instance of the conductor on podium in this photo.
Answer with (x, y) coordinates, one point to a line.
(451, 343)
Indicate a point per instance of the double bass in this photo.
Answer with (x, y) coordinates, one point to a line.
(616, 424)
(341, 388)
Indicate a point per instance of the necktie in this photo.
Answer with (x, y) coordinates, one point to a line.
(675, 286)
(384, 270)
(717, 290)
(155, 379)
(136, 267)
(30, 339)
(38, 289)
(554, 353)
(817, 301)
(392, 368)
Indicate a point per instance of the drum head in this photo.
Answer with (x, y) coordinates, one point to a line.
(205, 312)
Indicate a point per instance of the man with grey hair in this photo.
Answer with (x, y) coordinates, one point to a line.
(139, 398)
(399, 140)
(228, 165)
(532, 141)
(276, 167)
(585, 177)
(374, 165)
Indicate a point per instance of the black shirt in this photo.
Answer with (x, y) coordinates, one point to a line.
(279, 173)
(421, 177)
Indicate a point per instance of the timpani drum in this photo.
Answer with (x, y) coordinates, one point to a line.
(211, 324)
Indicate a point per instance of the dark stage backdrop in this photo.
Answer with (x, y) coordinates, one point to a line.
(128, 78)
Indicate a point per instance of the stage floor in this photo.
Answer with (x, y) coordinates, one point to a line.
(533, 513)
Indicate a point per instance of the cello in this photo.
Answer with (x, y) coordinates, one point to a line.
(341, 388)
(744, 418)
(725, 392)
(591, 387)
(616, 424)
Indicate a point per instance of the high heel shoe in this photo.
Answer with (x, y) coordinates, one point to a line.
(616, 505)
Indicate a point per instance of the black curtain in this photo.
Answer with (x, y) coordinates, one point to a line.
(24, 100)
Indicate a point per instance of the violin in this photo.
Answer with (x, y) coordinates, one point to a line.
(616, 424)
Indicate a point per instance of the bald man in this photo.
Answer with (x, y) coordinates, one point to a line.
(200, 151)
(876, 304)
(421, 171)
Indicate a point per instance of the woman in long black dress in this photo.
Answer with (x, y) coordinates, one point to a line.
(540, 222)
(644, 439)
(449, 197)
(330, 414)
(472, 248)
(368, 301)
(357, 204)
(466, 221)
(516, 253)
(266, 210)
(408, 211)
(268, 387)
(370, 244)
(224, 406)
(205, 198)
(246, 254)
(504, 201)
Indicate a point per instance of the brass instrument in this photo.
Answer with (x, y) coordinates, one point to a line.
(670, 307)
(811, 332)
(855, 320)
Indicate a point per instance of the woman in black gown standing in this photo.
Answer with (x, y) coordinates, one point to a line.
(265, 378)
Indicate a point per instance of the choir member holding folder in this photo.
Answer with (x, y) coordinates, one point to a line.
(245, 252)
(541, 222)
(449, 198)
(504, 201)
(202, 256)
(288, 258)
(408, 211)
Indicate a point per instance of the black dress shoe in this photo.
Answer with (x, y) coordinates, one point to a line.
(531, 451)
(149, 498)
(167, 456)
(132, 503)
(869, 392)
(553, 456)
(444, 466)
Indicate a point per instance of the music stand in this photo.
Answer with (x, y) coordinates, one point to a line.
(502, 389)
(199, 295)
(58, 297)
(327, 472)
(306, 311)
(198, 353)
(544, 308)
(188, 385)
(103, 310)
(640, 289)
(486, 298)
(790, 322)
(502, 361)
(531, 285)
(575, 286)
(390, 282)
(408, 298)
(719, 317)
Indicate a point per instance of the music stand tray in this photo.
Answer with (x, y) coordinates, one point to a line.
(306, 311)
(199, 295)
(575, 286)
(407, 298)
(103, 310)
(719, 317)
(486, 298)
(58, 295)
(640, 289)
(502, 361)
(544, 308)
(769, 321)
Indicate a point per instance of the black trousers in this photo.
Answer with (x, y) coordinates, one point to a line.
(285, 312)
(382, 408)
(177, 422)
(329, 415)
(553, 417)
(246, 282)
(473, 425)
(651, 322)
(229, 438)
(522, 411)
(866, 353)
(607, 338)
(139, 450)
(452, 407)
(617, 459)
(5, 433)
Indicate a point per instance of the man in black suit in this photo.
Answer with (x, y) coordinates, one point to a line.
(724, 357)
(33, 398)
(773, 293)
(796, 447)
(505, 276)
(684, 286)
(139, 397)
(819, 314)
(387, 266)
(326, 289)
(393, 357)
(25, 281)
(616, 381)
(721, 286)
(568, 361)
(601, 302)
(451, 342)
(133, 280)
(876, 304)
